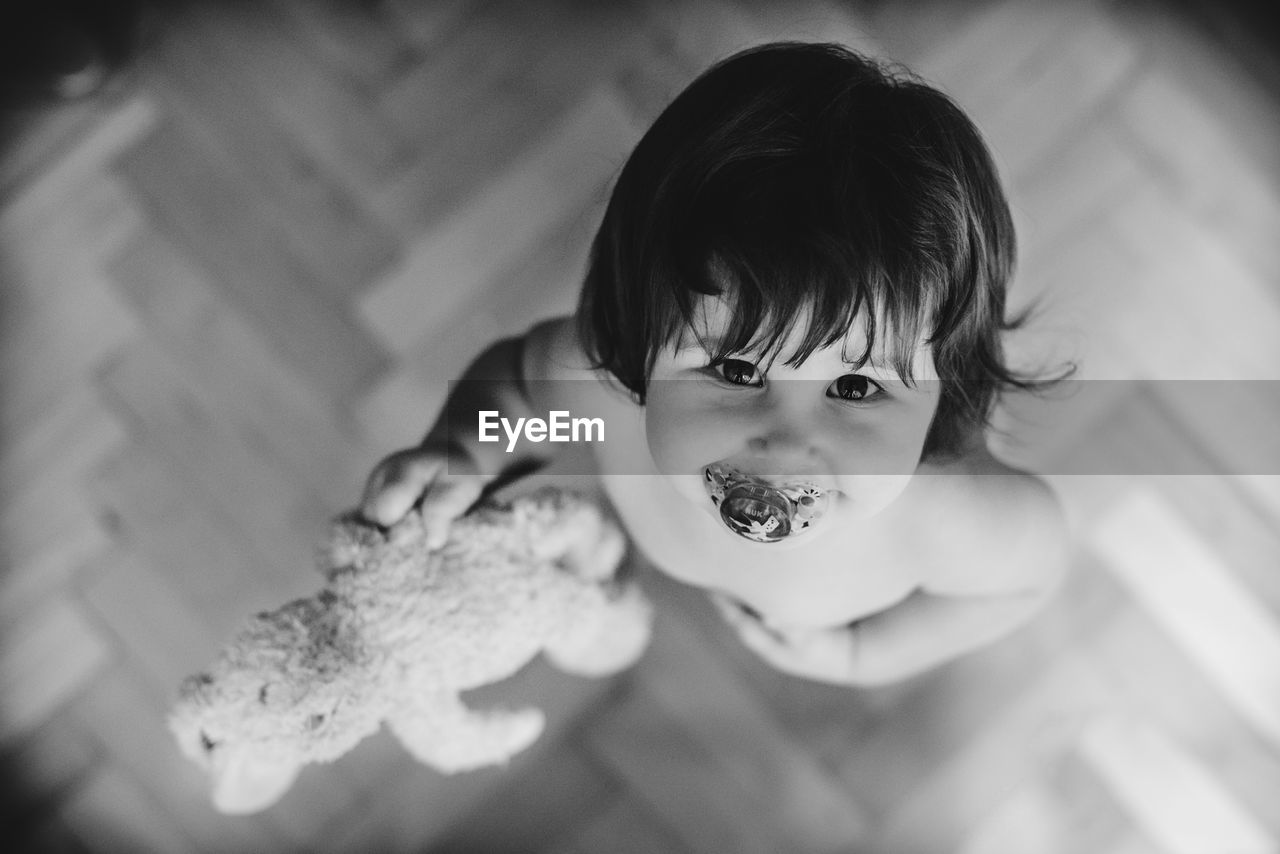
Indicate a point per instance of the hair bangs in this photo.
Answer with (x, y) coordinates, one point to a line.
(774, 287)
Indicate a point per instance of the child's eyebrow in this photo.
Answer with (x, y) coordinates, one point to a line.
(710, 345)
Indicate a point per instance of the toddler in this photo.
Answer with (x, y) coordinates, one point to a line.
(790, 330)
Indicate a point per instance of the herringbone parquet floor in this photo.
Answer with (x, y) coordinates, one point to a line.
(248, 268)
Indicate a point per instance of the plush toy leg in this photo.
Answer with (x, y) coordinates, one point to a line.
(605, 634)
(245, 783)
(584, 542)
(443, 733)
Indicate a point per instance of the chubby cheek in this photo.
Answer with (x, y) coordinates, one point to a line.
(684, 438)
(876, 469)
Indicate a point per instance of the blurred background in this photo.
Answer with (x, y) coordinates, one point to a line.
(244, 246)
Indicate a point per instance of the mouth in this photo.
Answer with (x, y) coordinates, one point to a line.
(766, 509)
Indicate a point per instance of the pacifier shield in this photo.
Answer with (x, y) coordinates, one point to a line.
(760, 511)
(757, 512)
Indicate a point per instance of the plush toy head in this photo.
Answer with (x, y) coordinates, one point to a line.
(398, 632)
(292, 689)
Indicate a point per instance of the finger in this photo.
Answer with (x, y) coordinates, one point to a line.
(738, 614)
(753, 633)
(449, 499)
(728, 608)
(823, 654)
(396, 484)
(765, 644)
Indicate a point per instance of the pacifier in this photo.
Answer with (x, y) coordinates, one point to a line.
(753, 508)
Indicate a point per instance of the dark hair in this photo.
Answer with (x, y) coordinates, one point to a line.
(811, 177)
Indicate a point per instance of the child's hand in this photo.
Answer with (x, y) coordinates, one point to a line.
(822, 654)
(445, 479)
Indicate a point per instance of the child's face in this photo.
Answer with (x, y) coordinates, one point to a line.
(858, 434)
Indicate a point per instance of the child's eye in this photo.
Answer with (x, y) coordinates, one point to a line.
(855, 387)
(738, 372)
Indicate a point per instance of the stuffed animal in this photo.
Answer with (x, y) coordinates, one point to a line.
(399, 631)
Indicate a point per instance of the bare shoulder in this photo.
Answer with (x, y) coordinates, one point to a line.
(552, 351)
(556, 366)
(1000, 529)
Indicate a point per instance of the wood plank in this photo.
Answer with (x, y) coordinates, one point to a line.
(1157, 683)
(820, 719)
(469, 801)
(418, 808)
(1264, 489)
(39, 770)
(1221, 511)
(813, 808)
(532, 809)
(1084, 307)
(364, 44)
(48, 656)
(709, 32)
(1241, 314)
(795, 802)
(543, 284)
(911, 31)
(49, 534)
(428, 25)
(666, 768)
(1173, 797)
(625, 827)
(1180, 130)
(1216, 621)
(1053, 205)
(992, 46)
(43, 556)
(49, 836)
(1134, 842)
(127, 719)
(111, 812)
(238, 242)
(46, 362)
(162, 633)
(336, 122)
(34, 136)
(183, 535)
(323, 223)
(930, 721)
(686, 39)
(471, 110)
(67, 227)
(279, 519)
(1063, 811)
(112, 130)
(395, 821)
(556, 179)
(227, 362)
(1200, 71)
(60, 316)
(64, 442)
(1033, 729)
(1059, 93)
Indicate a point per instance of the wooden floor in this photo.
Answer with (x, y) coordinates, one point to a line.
(238, 276)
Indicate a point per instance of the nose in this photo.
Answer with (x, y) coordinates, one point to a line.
(784, 428)
(779, 442)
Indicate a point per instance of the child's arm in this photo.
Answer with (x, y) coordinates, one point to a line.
(451, 467)
(932, 625)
